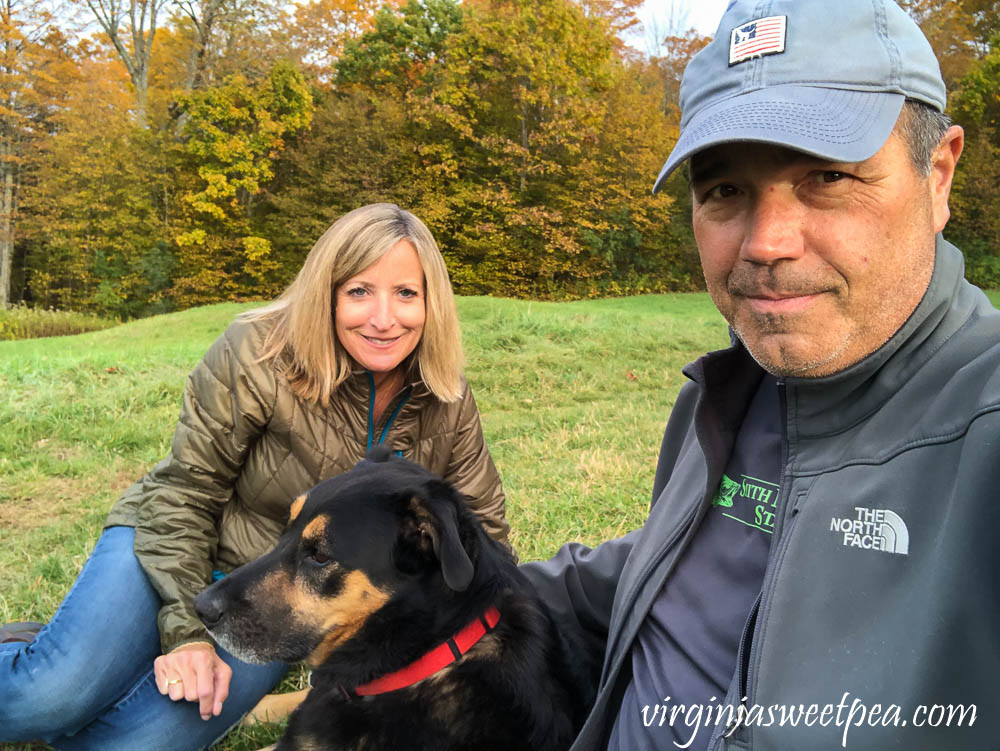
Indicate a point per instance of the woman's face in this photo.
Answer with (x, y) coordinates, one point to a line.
(379, 314)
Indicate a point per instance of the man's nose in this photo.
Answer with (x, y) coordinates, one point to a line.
(774, 225)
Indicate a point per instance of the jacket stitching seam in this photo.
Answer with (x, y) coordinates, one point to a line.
(902, 449)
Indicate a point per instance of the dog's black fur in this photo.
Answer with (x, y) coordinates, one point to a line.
(377, 567)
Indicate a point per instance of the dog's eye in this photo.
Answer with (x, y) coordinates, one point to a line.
(318, 557)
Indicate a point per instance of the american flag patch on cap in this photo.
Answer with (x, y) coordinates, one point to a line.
(765, 36)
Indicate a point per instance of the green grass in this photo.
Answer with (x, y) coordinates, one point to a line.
(574, 398)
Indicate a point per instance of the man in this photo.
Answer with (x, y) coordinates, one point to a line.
(818, 569)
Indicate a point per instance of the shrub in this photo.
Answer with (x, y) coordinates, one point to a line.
(23, 322)
(983, 271)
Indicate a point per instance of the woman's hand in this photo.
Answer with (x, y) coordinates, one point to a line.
(194, 672)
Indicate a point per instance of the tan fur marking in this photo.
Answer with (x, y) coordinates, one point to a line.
(308, 743)
(275, 586)
(451, 700)
(296, 508)
(487, 648)
(274, 708)
(316, 529)
(341, 617)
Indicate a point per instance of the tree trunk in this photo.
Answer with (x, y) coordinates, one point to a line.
(141, 83)
(204, 20)
(6, 222)
(524, 144)
(141, 27)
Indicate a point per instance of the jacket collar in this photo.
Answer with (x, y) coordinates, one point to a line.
(823, 406)
(357, 387)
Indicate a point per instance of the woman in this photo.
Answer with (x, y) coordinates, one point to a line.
(363, 348)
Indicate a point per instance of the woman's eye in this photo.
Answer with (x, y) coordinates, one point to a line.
(409, 293)
(356, 292)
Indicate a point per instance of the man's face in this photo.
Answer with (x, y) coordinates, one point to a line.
(815, 264)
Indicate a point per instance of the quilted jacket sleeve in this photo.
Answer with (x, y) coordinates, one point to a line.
(227, 403)
(472, 472)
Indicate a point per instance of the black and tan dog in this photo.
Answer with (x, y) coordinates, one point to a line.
(420, 630)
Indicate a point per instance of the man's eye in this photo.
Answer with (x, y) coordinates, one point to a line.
(831, 176)
(725, 190)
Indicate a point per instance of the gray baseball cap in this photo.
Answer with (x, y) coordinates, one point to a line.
(826, 77)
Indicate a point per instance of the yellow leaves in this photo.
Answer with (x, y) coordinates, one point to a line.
(511, 127)
(256, 248)
(194, 237)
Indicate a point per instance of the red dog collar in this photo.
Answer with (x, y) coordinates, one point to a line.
(440, 657)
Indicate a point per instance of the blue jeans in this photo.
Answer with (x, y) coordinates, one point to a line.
(86, 681)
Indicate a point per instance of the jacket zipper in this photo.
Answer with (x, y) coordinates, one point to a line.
(748, 628)
(745, 643)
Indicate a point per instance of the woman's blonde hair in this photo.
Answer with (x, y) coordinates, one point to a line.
(303, 324)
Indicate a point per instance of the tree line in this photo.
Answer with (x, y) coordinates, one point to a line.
(183, 152)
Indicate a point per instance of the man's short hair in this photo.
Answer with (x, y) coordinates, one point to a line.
(922, 127)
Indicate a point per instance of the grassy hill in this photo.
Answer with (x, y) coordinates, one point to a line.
(574, 398)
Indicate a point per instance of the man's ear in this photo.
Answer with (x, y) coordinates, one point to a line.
(429, 524)
(943, 162)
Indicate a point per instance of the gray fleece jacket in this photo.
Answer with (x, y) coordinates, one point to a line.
(882, 581)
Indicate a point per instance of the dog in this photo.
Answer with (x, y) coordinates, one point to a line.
(420, 630)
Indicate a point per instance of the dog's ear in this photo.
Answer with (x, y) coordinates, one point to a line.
(430, 524)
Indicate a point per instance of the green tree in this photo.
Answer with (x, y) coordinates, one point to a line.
(365, 144)
(515, 129)
(231, 136)
(546, 144)
(403, 49)
(975, 203)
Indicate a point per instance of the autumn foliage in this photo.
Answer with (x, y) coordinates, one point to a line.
(199, 161)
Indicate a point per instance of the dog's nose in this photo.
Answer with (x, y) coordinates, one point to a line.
(209, 607)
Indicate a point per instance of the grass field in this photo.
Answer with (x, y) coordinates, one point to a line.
(574, 398)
